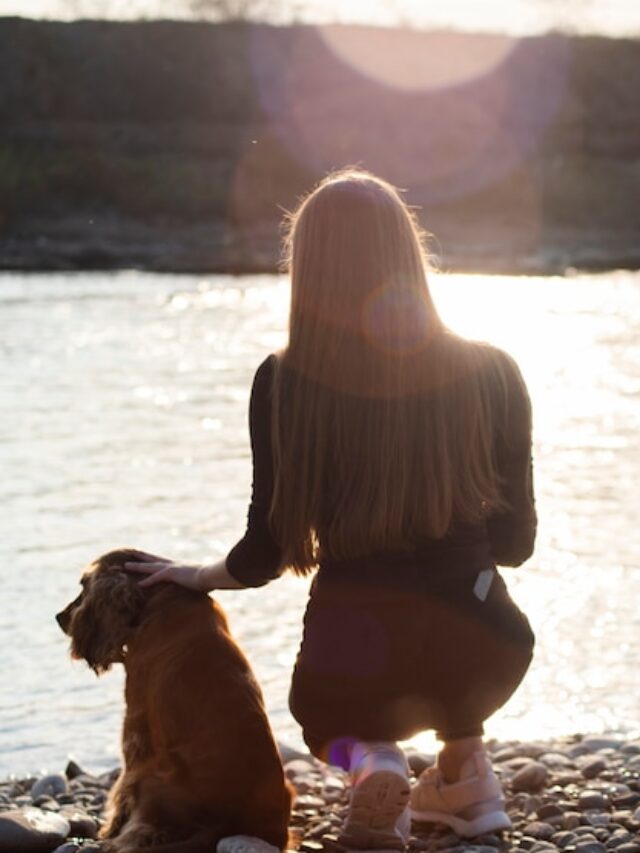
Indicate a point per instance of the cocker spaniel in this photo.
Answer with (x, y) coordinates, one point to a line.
(200, 763)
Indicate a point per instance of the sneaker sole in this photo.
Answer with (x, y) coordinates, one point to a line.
(375, 806)
(490, 822)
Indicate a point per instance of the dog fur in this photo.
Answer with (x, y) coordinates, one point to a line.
(199, 759)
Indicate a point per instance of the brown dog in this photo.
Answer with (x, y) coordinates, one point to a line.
(200, 761)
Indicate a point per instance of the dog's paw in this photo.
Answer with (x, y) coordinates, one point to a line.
(244, 844)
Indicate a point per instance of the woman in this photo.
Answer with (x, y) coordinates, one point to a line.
(394, 457)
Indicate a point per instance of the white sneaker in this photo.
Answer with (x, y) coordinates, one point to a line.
(378, 817)
(471, 806)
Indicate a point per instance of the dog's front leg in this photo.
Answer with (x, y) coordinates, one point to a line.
(119, 807)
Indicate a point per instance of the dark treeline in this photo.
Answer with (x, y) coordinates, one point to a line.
(176, 146)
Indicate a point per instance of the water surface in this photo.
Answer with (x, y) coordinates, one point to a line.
(123, 422)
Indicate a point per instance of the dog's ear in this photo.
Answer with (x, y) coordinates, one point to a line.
(110, 608)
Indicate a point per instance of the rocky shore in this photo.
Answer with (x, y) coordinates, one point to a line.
(176, 146)
(578, 795)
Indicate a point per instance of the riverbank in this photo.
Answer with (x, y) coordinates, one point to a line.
(176, 146)
(578, 795)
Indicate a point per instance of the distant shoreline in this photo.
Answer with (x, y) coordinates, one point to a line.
(86, 254)
(175, 146)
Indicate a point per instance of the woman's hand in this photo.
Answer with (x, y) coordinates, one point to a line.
(197, 577)
(161, 570)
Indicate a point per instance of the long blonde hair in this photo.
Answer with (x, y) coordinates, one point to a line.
(382, 424)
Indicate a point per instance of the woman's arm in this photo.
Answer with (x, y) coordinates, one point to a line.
(512, 532)
(200, 578)
(257, 557)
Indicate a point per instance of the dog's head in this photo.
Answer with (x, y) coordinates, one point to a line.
(101, 619)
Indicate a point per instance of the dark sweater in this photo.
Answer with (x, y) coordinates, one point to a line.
(505, 539)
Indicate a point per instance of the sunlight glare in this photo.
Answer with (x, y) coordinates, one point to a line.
(397, 58)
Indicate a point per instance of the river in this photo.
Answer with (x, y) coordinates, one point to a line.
(123, 421)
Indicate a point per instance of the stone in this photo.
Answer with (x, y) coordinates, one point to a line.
(72, 770)
(81, 825)
(530, 805)
(567, 777)
(572, 820)
(610, 789)
(589, 799)
(489, 841)
(620, 836)
(594, 743)
(591, 766)
(70, 847)
(298, 767)
(311, 846)
(555, 760)
(31, 831)
(626, 801)
(629, 847)
(505, 754)
(308, 801)
(532, 777)
(49, 786)
(44, 801)
(107, 780)
(320, 829)
(539, 830)
(418, 762)
(562, 839)
(588, 846)
(599, 818)
(549, 810)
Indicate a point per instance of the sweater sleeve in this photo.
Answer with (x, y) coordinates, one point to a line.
(512, 532)
(256, 558)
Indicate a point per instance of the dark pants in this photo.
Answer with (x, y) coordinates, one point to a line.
(385, 660)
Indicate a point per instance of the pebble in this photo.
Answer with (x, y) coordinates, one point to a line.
(590, 799)
(563, 838)
(72, 770)
(596, 743)
(538, 829)
(588, 846)
(418, 762)
(31, 831)
(81, 825)
(549, 810)
(532, 777)
(49, 786)
(591, 765)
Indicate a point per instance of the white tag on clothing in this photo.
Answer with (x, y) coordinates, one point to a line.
(483, 584)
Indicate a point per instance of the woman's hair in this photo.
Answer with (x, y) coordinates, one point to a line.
(382, 417)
